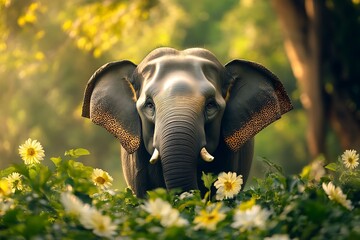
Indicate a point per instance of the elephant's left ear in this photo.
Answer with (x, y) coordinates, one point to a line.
(255, 98)
(110, 101)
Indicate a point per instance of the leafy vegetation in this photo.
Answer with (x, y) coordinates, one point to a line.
(67, 200)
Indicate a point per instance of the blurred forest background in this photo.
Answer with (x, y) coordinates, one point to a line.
(49, 50)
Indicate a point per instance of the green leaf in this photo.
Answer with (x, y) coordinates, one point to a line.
(158, 193)
(56, 161)
(11, 217)
(272, 165)
(78, 152)
(35, 225)
(32, 174)
(7, 171)
(208, 179)
(332, 167)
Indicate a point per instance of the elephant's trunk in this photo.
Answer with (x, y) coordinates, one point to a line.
(179, 150)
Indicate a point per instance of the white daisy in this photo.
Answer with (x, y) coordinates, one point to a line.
(72, 204)
(164, 212)
(254, 217)
(336, 194)
(350, 159)
(101, 225)
(15, 181)
(228, 185)
(31, 152)
(101, 178)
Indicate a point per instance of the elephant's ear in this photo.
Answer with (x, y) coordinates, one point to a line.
(255, 98)
(110, 101)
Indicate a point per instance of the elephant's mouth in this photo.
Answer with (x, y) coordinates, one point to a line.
(204, 154)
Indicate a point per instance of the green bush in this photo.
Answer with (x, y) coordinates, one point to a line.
(69, 200)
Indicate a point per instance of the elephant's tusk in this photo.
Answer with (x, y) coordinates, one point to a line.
(205, 155)
(155, 157)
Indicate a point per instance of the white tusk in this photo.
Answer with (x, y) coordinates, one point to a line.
(155, 157)
(205, 155)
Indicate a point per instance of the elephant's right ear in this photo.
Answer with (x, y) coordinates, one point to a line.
(110, 101)
(255, 98)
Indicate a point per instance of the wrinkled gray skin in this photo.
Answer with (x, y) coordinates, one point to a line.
(179, 102)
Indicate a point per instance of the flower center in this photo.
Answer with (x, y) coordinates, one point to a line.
(211, 217)
(31, 151)
(350, 160)
(101, 227)
(100, 180)
(228, 186)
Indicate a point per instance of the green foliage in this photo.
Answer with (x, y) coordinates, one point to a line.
(294, 207)
(208, 180)
(75, 153)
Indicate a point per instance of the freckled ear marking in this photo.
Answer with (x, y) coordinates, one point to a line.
(259, 120)
(129, 141)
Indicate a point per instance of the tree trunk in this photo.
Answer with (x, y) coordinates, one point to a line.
(342, 121)
(326, 68)
(300, 24)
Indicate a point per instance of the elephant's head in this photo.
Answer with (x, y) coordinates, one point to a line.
(180, 104)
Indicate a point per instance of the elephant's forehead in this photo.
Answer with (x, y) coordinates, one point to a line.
(184, 70)
(180, 84)
(180, 75)
(180, 62)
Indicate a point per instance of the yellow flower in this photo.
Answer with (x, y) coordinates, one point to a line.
(164, 212)
(101, 225)
(350, 159)
(247, 204)
(209, 218)
(336, 194)
(228, 185)
(5, 187)
(15, 181)
(31, 151)
(101, 178)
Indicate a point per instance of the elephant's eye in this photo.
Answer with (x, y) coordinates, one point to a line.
(211, 108)
(211, 105)
(149, 107)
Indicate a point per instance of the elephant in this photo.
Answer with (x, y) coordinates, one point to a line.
(180, 113)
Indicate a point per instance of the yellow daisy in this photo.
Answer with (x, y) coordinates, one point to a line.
(31, 152)
(15, 181)
(228, 185)
(209, 218)
(350, 159)
(336, 194)
(5, 187)
(101, 178)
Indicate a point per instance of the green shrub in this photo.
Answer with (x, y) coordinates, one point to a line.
(69, 200)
